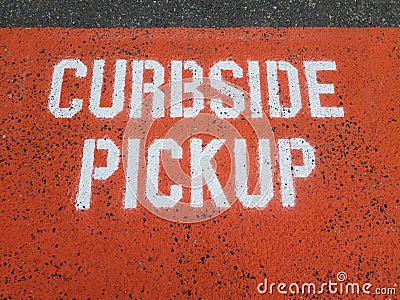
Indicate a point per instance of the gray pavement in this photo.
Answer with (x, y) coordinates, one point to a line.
(100, 13)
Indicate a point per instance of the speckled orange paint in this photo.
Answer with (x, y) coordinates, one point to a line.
(346, 215)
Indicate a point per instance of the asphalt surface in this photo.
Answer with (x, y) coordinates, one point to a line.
(100, 13)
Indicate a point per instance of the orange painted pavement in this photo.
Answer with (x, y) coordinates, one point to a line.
(346, 214)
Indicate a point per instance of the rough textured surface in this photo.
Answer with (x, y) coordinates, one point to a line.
(102, 13)
(346, 214)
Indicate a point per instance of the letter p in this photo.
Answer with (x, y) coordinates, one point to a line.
(88, 170)
(288, 171)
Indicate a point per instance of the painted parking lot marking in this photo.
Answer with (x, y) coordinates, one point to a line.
(274, 152)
